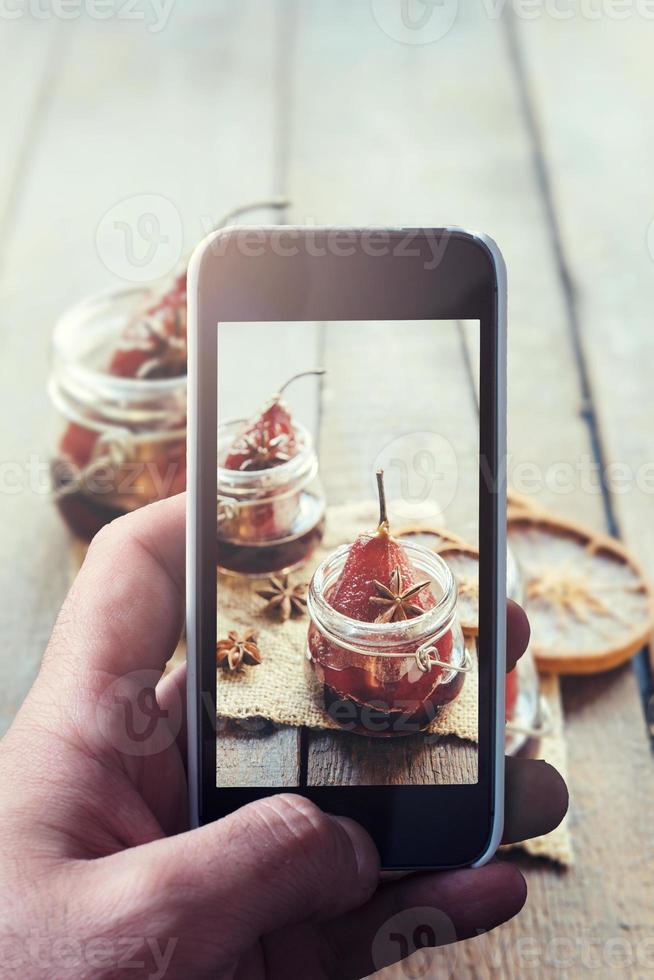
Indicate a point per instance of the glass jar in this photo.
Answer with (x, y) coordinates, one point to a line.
(268, 520)
(122, 442)
(526, 714)
(385, 679)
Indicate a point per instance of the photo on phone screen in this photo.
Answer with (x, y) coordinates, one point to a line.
(347, 520)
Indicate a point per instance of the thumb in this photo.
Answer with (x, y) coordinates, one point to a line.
(273, 863)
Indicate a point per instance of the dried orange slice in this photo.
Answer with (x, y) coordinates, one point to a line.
(589, 605)
(463, 561)
(520, 503)
(433, 538)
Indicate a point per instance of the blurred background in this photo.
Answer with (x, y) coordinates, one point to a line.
(130, 129)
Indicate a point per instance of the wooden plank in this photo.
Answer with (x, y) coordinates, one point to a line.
(435, 134)
(188, 115)
(30, 51)
(599, 181)
(351, 760)
(256, 359)
(605, 265)
(253, 757)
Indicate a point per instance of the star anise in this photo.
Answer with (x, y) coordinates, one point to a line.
(236, 652)
(165, 341)
(264, 450)
(396, 599)
(284, 598)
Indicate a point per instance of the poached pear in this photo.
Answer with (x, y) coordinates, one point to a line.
(270, 438)
(378, 582)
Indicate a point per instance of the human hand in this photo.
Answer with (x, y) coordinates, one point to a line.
(98, 871)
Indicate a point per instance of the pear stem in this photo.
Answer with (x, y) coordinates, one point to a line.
(272, 204)
(302, 374)
(383, 516)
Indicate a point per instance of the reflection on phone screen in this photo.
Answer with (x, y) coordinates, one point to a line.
(347, 548)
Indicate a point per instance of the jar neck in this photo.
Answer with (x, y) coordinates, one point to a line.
(288, 477)
(83, 390)
(391, 637)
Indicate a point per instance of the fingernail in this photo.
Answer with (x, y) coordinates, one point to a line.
(364, 849)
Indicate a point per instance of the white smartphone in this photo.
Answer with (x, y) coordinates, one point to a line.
(346, 531)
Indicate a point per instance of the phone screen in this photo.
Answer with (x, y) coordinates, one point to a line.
(347, 515)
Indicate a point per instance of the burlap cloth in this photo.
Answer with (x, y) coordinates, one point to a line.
(279, 688)
(558, 844)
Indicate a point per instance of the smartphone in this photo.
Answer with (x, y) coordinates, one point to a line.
(346, 537)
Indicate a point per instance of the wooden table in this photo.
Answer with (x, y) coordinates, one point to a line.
(532, 129)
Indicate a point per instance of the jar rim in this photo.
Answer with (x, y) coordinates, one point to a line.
(74, 315)
(434, 620)
(244, 479)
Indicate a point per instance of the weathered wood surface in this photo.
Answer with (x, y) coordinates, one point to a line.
(536, 134)
(120, 115)
(596, 149)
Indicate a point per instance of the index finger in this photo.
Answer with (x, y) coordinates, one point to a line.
(517, 633)
(125, 609)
